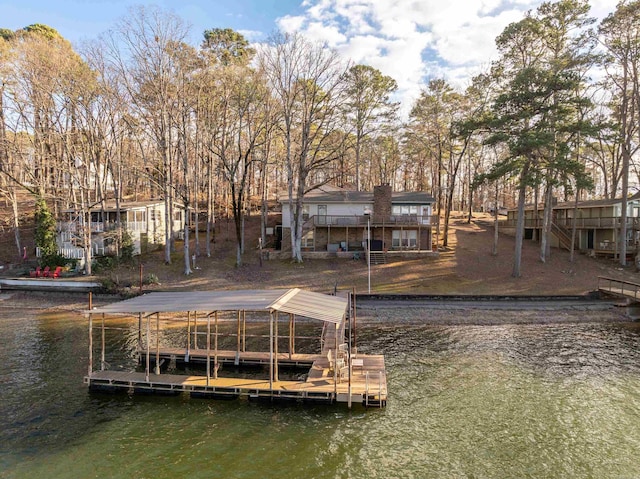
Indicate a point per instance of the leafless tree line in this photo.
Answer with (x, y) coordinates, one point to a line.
(225, 127)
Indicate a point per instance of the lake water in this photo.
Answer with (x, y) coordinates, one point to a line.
(518, 400)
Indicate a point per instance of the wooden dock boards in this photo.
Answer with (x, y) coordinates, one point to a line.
(368, 384)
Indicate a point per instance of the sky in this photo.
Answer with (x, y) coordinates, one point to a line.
(412, 41)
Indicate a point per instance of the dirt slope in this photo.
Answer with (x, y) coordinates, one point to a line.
(465, 267)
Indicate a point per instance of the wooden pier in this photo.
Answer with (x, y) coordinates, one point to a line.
(334, 374)
(619, 288)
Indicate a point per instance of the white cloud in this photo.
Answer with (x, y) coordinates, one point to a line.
(291, 23)
(416, 40)
(325, 33)
(251, 35)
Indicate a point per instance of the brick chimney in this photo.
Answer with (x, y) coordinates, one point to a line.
(381, 203)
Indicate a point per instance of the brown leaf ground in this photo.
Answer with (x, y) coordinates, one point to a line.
(466, 267)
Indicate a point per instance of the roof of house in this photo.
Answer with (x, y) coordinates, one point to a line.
(346, 196)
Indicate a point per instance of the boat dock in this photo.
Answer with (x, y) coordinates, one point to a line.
(335, 373)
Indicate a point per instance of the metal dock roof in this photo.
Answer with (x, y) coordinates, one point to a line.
(294, 301)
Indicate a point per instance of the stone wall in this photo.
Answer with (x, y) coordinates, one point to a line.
(381, 203)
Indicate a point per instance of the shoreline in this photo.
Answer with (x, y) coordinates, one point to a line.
(391, 311)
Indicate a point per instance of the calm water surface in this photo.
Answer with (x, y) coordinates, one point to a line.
(510, 401)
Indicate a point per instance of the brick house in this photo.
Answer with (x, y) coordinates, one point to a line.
(338, 221)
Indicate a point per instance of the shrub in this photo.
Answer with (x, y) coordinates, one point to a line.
(52, 260)
(126, 247)
(103, 263)
(150, 279)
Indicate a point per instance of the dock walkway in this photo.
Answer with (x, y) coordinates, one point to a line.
(619, 288)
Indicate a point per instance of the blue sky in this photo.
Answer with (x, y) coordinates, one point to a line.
(409, 40)
(79, 19)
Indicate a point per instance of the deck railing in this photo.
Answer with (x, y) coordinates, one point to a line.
(581, 223)
(65, 252)
(101, 227)
(373, 220)
(619, 287)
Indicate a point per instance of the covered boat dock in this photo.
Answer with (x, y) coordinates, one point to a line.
(334, 371)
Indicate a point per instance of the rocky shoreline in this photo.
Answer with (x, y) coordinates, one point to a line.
(403, 311)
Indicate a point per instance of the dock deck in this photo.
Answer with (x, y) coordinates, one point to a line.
(366, 385)
(335, 374)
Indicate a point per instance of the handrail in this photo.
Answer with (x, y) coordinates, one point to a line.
(632, 290)
(597, 222)
(373, 220)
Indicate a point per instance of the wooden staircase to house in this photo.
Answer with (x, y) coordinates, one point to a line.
(562, 233)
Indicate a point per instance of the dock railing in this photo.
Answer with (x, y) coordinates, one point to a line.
(619, 287)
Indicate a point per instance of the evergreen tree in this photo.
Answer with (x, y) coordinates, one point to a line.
(45, 234)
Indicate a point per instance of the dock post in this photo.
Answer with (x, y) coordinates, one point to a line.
(188, 336)
(355, 342)
(238, 338)
(244, 330)
(148, 361)
(215, 349)
(195, 330)
(139, 331)
(271, 351)
(208, 348)
(102, 344)
(349, 353)
(90, 345)
(275, 372)
(157, 368)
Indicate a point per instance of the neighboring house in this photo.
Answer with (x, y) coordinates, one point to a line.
(143, 220)
(597, 224)
(337, 220)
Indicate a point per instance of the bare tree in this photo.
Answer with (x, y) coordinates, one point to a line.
(306, 79)
(141, 50)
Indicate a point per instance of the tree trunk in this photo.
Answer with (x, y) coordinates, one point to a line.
(494, 251)
(187, 254)
(517, 261)
(210, 206)
(546, 223)
(574, 227)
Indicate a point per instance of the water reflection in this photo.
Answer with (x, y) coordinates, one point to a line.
(549, 400)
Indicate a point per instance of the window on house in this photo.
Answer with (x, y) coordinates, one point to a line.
(404, 238)
(305, 212)
(307, 240)
(136, 216)
(398, 210)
